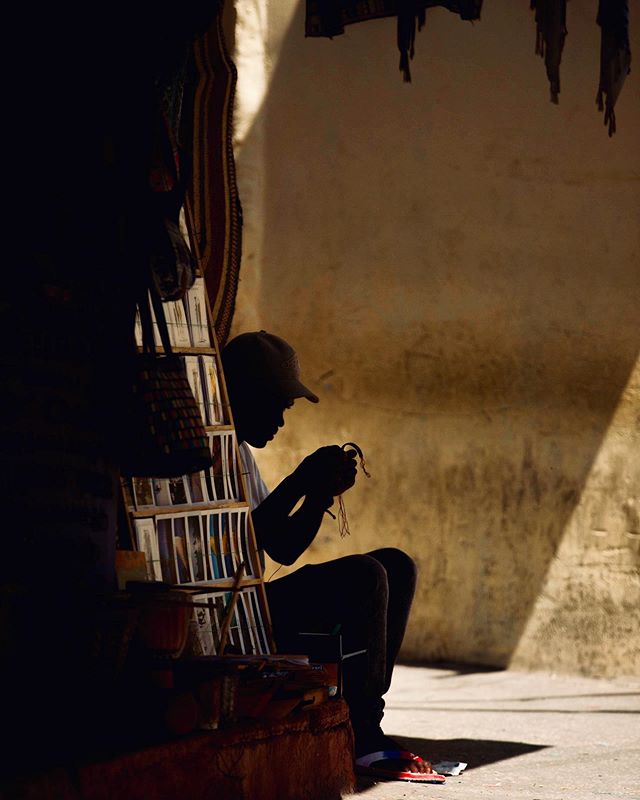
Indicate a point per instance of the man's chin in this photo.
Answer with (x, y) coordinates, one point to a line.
(259, 440)
(259, 443)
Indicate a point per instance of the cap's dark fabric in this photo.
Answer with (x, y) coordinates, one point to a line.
(261, 358)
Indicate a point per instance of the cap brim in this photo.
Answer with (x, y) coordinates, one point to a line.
(295, 389)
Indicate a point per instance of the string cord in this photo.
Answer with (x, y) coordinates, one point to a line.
(343, 522)
(275, 572)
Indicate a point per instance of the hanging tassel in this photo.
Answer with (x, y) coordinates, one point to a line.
(363, 463)
(343, 522)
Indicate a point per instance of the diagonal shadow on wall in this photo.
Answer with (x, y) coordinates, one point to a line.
(456, 258)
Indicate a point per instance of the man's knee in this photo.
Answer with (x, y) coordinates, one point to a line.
(399, 566)
(368, 574)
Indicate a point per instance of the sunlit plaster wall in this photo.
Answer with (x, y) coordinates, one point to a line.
(457, 261)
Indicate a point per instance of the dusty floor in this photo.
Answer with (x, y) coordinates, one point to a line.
(525, 736)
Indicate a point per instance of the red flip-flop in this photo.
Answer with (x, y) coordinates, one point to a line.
(364, 767)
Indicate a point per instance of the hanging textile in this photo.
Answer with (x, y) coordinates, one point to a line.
(615, 56)
(328, 18)
(214, 214)
(551, 30)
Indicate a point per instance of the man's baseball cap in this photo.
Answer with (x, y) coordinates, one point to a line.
(261, 358)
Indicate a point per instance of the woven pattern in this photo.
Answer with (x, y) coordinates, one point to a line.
(214, 214)
(171, 438)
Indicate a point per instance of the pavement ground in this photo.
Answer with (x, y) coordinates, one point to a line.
(525, 736)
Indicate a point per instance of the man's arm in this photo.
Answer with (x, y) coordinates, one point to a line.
(322, 475)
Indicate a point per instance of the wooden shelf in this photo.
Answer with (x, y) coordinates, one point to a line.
(188, 508)
(219, 585)
(185, 542)
(183, 350)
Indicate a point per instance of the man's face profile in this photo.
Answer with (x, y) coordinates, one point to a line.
(259, 415)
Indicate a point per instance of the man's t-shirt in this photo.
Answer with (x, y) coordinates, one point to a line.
(256, 487)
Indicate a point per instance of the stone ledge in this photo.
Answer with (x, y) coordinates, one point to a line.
(309, 755)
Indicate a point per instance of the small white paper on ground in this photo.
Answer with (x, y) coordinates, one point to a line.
(449, 767)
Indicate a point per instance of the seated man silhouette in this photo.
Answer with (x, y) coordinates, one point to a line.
(367, 596)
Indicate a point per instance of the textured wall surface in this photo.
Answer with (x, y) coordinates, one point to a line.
(458, 263)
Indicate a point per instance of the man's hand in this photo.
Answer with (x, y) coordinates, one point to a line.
(284, 533)
(348, 472)
(329, 471)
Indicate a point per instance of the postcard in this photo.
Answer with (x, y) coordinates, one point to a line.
(147, 543)
(226, 466)
(212, 391)
(236, 538)
(226, 553)
(220, 602)
(245, 627)
(177, 491)
(243, 536)
(176, 316)
(210, 494)
(234, 640)
(258, 621)
(137, 329)
(243, 634)
(194, 376)
(197, 487)
(197, 310)
(255, 621)
(213, 608)
(233, 467)
(156, 329)
(212, 522)
(202, 639)
(232, 530)
(252, 622)
(217, 468)
(161, 491)
(197, 548)
(181, 550)
(167, 553)
(142, 492)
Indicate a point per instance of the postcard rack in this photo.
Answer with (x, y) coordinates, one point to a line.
(195, 530)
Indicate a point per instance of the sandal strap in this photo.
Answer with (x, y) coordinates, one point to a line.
(382, 755)
(413, 777)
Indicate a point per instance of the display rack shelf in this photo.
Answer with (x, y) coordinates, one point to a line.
(196, 530)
